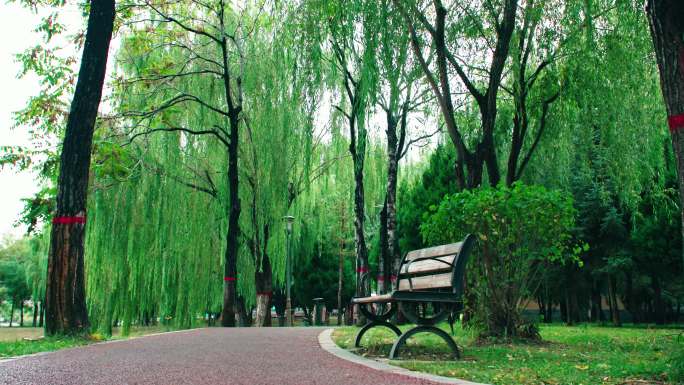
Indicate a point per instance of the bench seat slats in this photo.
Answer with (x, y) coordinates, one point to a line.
(436, 281)
(437, 251)
(374, 299)
(411, 296)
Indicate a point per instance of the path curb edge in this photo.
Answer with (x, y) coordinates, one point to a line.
(327, 344)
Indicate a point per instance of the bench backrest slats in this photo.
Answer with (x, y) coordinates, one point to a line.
(429, 265)
(435, 268)
(437, 251)
(436, 281)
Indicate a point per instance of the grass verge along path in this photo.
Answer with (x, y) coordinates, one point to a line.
(568, 355)
(18, 341)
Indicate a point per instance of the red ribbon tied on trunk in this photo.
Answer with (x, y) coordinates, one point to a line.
(676, 122)
(229, 279)
(68, 220)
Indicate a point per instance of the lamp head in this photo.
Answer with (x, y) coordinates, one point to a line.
(289, 220)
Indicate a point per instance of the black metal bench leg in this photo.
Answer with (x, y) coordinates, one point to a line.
(371, 325)
(394, 353)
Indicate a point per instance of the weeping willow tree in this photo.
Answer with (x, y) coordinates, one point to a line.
(283, 155)
(202, 94)
(163, 159)
(154, 245)
(350, 29)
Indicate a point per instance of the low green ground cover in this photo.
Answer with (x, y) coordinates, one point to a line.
(21, 347)
(568, 355)
(21, 341)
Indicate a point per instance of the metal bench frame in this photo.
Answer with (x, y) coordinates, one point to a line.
(406, 301)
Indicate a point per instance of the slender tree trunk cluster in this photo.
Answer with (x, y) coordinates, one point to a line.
(470, 163)
(396, 147)
(66, 310)
(357, 149)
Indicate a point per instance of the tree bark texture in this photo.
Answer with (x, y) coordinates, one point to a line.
(359, 221)
(264, 286)
(612, 297)
(667, 29)
(383, 258)
(65, 301)
(35, 313)
(395, 145)
(340, 264)
(230, 268)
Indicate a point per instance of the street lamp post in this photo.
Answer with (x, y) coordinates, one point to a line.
(289, 219)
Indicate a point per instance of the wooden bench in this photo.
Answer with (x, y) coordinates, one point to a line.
(431, 277)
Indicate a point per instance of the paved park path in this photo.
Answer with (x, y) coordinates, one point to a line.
(287, 356)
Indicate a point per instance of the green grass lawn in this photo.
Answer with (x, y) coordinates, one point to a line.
(568, 355)
(20, 341)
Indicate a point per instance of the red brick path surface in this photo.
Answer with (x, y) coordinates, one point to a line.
(287, 356)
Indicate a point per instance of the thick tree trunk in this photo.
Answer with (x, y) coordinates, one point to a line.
(360, 238)
(658, 302)
(541, 306)
(264, 289)
(340, 261)
(244, 316)
(42, 315)
(667, 29)
(489, 151)
(596, 308)
(571, 308)
(279, 303)
(11, 314)
(230, 268)
(548, 316)
(629, 297)
(384, 257)
(393, 149)
(612, 296)
(35, 313)
(21, 314)
(574, 307)
(65, 303)
(564, 311)
(340, 284)
(362, 267)
(349, 315)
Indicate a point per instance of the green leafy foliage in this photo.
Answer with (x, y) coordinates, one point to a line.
(519, 230)
(418, 198)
